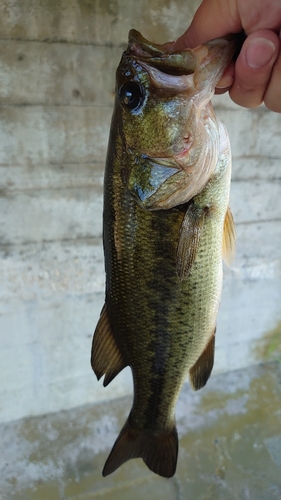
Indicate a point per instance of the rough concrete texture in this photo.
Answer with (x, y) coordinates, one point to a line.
(230, 447)
(95, 22)
(57, 64)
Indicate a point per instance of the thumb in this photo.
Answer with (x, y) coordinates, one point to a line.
(190, 39)
(214, 18)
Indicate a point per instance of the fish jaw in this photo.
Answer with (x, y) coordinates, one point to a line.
(213, 65)
(204, 64)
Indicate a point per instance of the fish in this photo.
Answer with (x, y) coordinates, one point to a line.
(167, 226)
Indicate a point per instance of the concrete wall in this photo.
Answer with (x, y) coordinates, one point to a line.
(57, 63)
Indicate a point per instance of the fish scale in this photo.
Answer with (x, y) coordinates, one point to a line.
(165, 233)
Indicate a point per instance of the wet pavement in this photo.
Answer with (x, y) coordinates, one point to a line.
(230, 447)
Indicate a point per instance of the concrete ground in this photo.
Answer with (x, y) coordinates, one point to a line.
(230, 447)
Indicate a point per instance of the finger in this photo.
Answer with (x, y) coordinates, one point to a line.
(253, 68)
(214, 18)
(226, 80)
(272, 96)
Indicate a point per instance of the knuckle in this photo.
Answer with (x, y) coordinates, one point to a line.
(250, 87)
(247, 98)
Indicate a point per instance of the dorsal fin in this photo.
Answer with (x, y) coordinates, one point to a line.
(106, 358)
(189, 239)
(229, 238)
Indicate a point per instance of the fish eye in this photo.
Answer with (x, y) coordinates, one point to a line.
(131, 95)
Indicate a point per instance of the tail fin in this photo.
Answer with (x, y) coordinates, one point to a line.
(158, 451)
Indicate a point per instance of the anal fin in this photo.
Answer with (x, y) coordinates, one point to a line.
(200, 372)
(229, 238)
(106, 358)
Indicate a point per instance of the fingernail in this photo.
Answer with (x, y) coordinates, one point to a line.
(225, 82)
(259, 53)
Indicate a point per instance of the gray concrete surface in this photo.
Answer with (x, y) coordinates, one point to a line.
(57, 64)
(230, 447)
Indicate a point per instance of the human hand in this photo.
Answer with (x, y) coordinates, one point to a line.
(256, 74)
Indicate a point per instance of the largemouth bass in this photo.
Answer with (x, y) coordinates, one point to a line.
(167, 226)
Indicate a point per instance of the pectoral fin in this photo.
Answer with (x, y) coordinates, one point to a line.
(189, 239)
(106, 358)
(201, 370)
(229, 238)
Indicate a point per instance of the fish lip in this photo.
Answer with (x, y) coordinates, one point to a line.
(162, 56)
(165, 82)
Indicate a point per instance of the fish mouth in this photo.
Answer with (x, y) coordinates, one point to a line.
(161, 57)
(206, 63)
